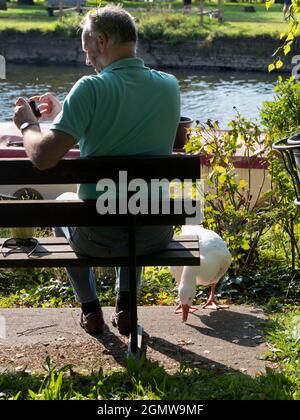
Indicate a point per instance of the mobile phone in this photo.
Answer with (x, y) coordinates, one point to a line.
(35, 109)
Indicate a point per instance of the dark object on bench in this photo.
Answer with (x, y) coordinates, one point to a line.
(56, 252)
(7, 197)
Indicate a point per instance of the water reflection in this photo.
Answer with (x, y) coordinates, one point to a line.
(204, 94)
(215, 95)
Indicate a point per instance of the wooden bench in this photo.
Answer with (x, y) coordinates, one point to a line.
(56, 252)
(65, 5)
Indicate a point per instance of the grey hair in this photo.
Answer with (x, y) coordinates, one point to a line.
(113, 20)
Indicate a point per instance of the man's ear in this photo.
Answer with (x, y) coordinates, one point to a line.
(102, 40)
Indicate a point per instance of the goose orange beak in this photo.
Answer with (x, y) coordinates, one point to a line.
(184, 310)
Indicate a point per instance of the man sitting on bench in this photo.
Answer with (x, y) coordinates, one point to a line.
(125, 109)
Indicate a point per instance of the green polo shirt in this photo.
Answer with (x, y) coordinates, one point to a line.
(126, 109)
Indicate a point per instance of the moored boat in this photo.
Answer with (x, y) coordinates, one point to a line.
(252, 171)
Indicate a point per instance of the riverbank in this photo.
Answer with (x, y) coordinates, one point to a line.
(244, 40)
(223, 52)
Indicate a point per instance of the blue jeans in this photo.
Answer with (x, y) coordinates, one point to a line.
(107, 242)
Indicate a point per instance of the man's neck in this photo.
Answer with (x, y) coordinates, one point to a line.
(118, 53)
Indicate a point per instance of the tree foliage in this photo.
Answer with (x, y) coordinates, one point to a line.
(241, 214)
(288, 37)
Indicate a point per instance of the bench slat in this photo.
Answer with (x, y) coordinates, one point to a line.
(44, 213)
(192, 246)
(185, 238)
(61, 240)
(92, 169)
(62, 246)
(58, 255)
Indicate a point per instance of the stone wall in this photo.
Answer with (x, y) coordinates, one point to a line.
(219, 53)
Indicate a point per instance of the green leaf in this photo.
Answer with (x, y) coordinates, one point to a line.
(271, 67)
(287, 49)
(220, 169)
(243, 183)
(16, 397)
(210, 197)
(282, 35)
(222, 178)
(32, 394)
(245, 244)
(279, 64)
(290, 36)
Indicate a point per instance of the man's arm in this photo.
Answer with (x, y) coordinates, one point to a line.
(43, 149)
(46, 149)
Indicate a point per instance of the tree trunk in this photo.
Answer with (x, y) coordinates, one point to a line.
(3, 5)
(201, 10)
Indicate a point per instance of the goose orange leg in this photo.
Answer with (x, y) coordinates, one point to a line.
(211, 303)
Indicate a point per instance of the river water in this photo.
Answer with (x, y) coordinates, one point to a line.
(204, 94)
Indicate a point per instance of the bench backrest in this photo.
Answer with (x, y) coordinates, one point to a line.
(91, 170)
(66, 3)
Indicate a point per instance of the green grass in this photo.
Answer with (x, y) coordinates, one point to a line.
(234, 12)
(161, 25)
(236, 22)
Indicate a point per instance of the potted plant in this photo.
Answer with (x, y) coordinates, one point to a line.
(182, 134)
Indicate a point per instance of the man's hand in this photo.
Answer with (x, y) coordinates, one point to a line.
(23, 113)
(49, 106)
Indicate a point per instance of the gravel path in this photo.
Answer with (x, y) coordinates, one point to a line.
(224, 340)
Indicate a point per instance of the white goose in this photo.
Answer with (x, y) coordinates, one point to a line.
(215, 260)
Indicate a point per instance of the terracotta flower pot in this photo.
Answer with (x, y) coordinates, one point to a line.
(182, 135)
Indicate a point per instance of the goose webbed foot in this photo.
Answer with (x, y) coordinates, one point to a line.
(212, 304)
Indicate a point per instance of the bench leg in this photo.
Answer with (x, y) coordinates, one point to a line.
(136, 332)
(139, 343)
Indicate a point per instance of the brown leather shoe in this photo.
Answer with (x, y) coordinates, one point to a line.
(121, 320)
(93, 323)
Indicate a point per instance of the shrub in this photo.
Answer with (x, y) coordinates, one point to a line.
(230, 207)
(281, 117)
(229, 204)
(68, 26)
